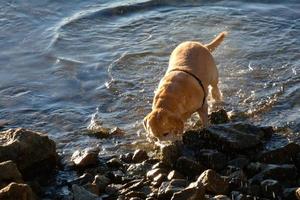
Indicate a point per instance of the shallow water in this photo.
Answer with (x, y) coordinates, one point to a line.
(62, 64)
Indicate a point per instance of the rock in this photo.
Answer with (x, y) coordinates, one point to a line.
(132, 194)
(281, 155)
(85, 158)
(213, 159)
(83, 179)
(271, 188)
(175, 175)
(219, 117)
(154, 172)
(31, 151)
(9, 173)
(139, 156)
(101, 182)
(116, 176)
(235, 137)
(253, 168)
(193, 139)
(167, 189)
(189, 167)
(239, 162)
(289, 194)
(157, 180)
(80, 193)
(139, 169)
(170, 153)
(127, 158)
(113, 189)
(189, 193)
(297, 160)
(283, 173)
(114, 163)
(237, 180)
(298, 193)
(220, 197)
(17, 191)
(212, 182)
(160, 165)
(116, 132)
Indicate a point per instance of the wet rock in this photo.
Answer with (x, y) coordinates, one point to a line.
(219, 117)
(116, 132)
(127, 158)
(170, 153)
(85, 158)
(289, 193)
(282, 155)
(17, 191)
(139, 156)
(175, 175)
(239, 162)
(83, 179)
(189, 167)
(271, 188)
(212, 182)
(114, 163)
(31, 151)
(81, 193)
(212, 158)
(220, 197)
(284, 173)
(155, 172)
(9, 173)
(233, 137)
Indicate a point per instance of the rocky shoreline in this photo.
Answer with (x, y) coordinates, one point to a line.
(228, 160)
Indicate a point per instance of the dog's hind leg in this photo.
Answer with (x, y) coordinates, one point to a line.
(203, 114)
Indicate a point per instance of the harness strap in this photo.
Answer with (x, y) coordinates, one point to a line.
(198, 80)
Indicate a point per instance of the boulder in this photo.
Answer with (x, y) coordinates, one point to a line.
(16, 191)
(157, 180)
(213, 159)
(85, 158)
(139, 156)
(114, 163)
(101, 182)
(280, 155)
(189, 167)
(9, 172)
(219, 117)
(167, 189)
(190, 193)
(127, 158)
(31, 151)
(170, 153)
(212, 182)
(154, 172)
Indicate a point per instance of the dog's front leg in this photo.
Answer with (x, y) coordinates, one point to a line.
(203, 114)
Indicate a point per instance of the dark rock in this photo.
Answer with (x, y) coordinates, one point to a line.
(289, 194)
(297, 160)
(9, 173)
(284, 173)
(160, 165)
(170, 153)
(282, 155)
(113, 189)
(219, 117)
(190, 193)
(85, 158)
(139, 169)
(116, 176)
(213, 159)
(116, 132)
(253, 168)
(189, 167)
(154, 172)
(271, 188)
(175, 175)
(127, 158)
(239, 162)
(81, 193)
(101, 182)
(31, 151)
(17, 191)
(298, 193)
(167, 189)
(157, 180)
(254, 189)
(220, 197)
(212, 182)
(114, 163)
(193, 139)
(237, 180)
(83, 179)
(132, 194)
(139, 156)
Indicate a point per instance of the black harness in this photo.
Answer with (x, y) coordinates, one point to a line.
(193, 75)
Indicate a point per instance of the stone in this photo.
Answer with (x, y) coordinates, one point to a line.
(160, 165)
(212, 182)
(284, 173)
(83, 179)
(237, 180)
(116, 132)
(157, 180)
(114, 163)
(81, 193)
(170, 153)
(213, 159)
(132, 194)
(298, 193)
(239, 162)
(139, 169)
(167, 189)
(31, 151)
(17, 191)
(113, 189)
(271, 188)
(9, 172)
(289, 194)
(219, 117)
(101, 182)
(253, 168)
(220, 197)
(116, 176)
(189, 167)
(154, 172)
(280, 155)
(174, 174)
(190, 193)
(139, 156)
(85, 158)
(127, 158)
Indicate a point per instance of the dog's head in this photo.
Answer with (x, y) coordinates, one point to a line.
(163, 125)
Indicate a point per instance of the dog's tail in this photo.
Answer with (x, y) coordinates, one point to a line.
(216, 42)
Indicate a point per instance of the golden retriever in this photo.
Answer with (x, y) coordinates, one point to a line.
(183, 90)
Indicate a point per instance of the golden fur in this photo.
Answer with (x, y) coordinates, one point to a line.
(179, 94)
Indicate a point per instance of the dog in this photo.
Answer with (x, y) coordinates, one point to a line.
(183, 90)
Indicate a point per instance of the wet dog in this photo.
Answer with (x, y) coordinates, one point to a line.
(183, 90)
